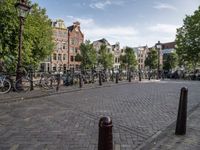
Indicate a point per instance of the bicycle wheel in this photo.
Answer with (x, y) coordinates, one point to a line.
(5, 86)
(45, 83)
(50, 83)
(22, 85)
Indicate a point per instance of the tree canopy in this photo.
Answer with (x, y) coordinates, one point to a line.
(105, 59)
(152, 59)
(188, 41)
(87, 55)
(129, 59)
(37, 36)
(170, 61)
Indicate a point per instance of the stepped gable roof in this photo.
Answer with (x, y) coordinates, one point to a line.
(75, 25)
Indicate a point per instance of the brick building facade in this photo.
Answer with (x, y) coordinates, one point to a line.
(75, 38)
(67, 44)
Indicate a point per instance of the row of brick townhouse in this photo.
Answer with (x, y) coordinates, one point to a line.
(67, 44)
(142, 53)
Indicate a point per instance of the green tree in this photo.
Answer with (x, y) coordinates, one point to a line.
(37, 36)
(105, 59)
(170, 61)
(87, 55)
(128, 59)
(188, 41)
(152, 59)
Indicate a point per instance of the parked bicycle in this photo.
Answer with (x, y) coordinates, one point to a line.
(26, 82)
(5, 84)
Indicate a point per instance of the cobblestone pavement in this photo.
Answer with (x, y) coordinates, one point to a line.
(40, 92)
(190, 141)
(69, 121)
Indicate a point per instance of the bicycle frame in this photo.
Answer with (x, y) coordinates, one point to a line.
(2, 78)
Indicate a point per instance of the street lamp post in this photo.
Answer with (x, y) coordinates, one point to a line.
(158, 47)
(23, 10)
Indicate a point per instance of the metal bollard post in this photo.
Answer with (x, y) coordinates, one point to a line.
(182, 113)
(72, 80)
(129, 76)
(92, 78)
(149, 76)
(140, 78)
(105, 141)
(58, 82)
(117, 77)
(112, 75)
(31, 77)
(80, 81)
(100, 79)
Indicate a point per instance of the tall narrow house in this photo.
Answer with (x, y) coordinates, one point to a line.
(75, 38)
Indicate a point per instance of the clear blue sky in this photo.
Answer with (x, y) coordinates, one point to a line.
(130, 22)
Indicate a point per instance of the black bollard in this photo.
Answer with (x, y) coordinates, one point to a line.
(31, 77)
(149, 76)
(112, 76)
(58, 82)
(129, 76)
(80, 81)
(117, 77)
(100, 79)
(72, 80)
(105, 141)
(140, 78)
(182, 113)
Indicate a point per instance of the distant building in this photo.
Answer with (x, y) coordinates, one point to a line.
(168, 48)
(75, 38)
(141, 55)
(113, 49)
(58, 60)
(97, 45)
(116, 53)
(67, 44)
(165, 49)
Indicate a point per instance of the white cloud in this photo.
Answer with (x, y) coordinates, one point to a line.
(126, 35)
(104, 3)
(85, 22)
(100, 5)
(92, 31)
(163, 28)
(161, 6)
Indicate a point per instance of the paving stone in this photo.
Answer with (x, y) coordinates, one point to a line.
(70, 120)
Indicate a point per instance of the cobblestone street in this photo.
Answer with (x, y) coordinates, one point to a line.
(69, 121)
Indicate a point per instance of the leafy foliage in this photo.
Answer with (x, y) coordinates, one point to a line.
(152, 59)
(170, 61)
(129, 58)
(37, 35)
(87, 55)
(105, 59)
(188, 41)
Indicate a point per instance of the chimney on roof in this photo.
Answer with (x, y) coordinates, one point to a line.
(76, 23)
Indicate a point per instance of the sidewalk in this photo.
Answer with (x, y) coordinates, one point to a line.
(170, 141)
(39, 92)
